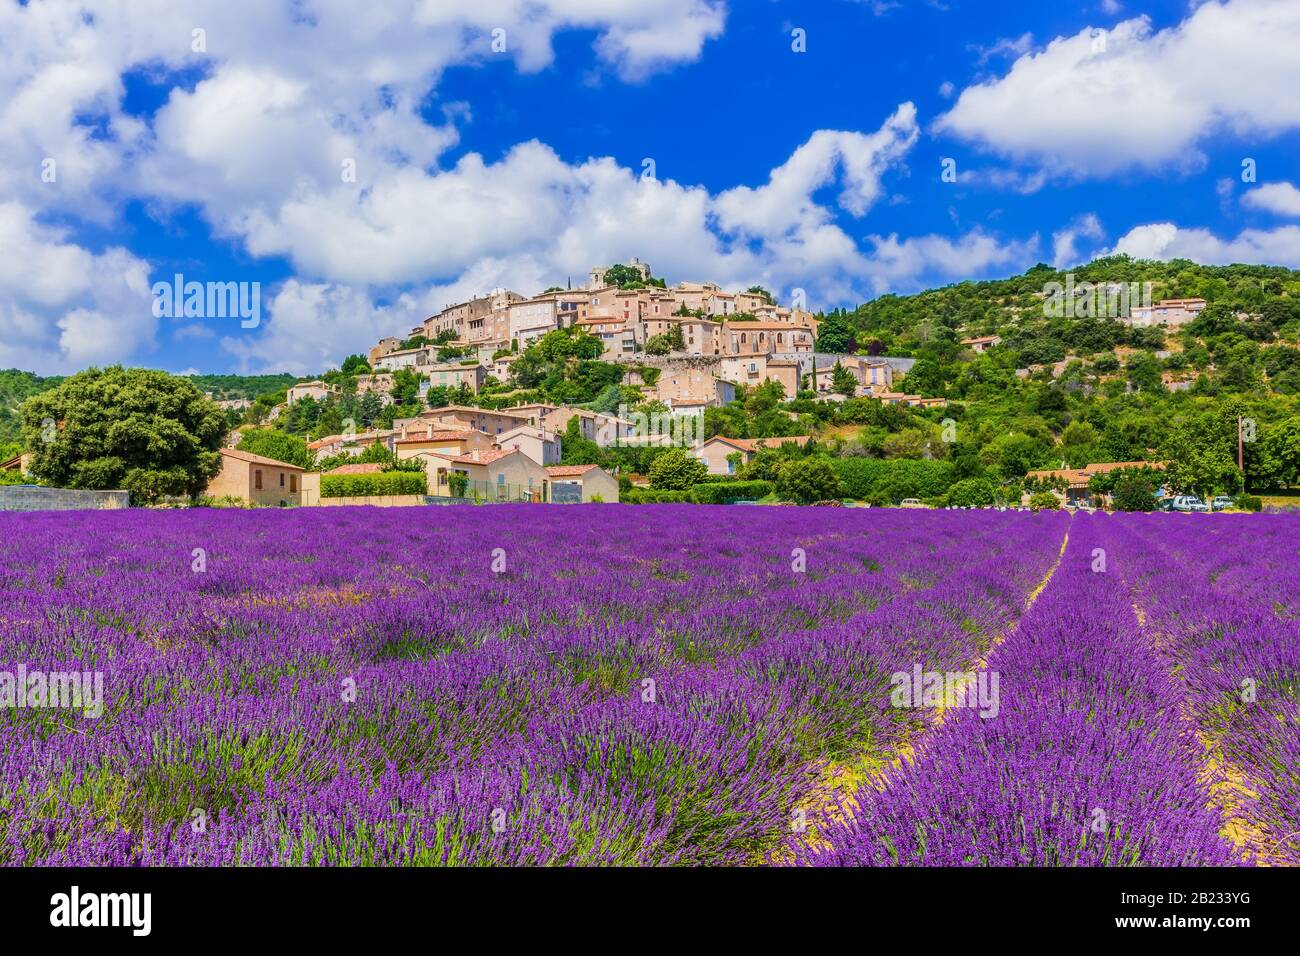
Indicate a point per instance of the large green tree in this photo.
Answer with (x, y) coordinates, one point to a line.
(270, 443)
(148, 432)
(1201, 461)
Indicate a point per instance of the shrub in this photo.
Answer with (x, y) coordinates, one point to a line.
(374, 485)
(675, 470)
(1044, 501)
(1134, 493)
(1249, 502)
(807, 480)
(457, 483)
(972, 493)
(724, 493)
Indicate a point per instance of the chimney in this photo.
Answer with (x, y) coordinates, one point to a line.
(474, 454)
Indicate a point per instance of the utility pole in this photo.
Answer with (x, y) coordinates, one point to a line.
(1241, 461)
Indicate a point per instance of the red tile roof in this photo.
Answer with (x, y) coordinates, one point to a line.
(569, 471)
(754, 444)
(360, 468)
(258, 459)
(423, 438)
(484, 457)
(1081, 475)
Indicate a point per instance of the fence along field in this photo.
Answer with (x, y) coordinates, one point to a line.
(666, 685)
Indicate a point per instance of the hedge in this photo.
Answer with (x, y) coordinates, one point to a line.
(706, 493)
(648, 496)
(875, 479)
(374, 485)
(724, 493)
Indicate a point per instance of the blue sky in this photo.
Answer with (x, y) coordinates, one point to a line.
(506, 143)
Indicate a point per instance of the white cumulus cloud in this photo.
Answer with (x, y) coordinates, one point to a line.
(1100, 101)
(1165, 240)
(1282, 199)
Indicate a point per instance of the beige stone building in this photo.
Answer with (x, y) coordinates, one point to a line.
(317, 390)
(692, 294)
(454, 375)
(750, 302)
(462, 418)
(1168, 312)
(573, 483)
(258, 480)
(384, 347)
(496, 475)
(691, 389)
(717, 453)
(702, 336)
(982, 343)
(764, 338)
(443, 442)
(405, 358)
(540, 444)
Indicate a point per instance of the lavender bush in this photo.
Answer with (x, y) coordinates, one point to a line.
(523, 685)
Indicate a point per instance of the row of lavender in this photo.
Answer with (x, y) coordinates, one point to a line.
(499, 685)
(1229, 624)
(1090, 759)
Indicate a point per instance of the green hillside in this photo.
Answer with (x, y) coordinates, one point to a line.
(15, 388)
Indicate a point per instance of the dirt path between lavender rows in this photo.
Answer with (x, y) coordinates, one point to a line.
(1230, 793)
(835, 800)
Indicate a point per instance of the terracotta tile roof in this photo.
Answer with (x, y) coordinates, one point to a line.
(443, 409)
(360, 468)
(569, 471)
(371, 436)
(484, 457)
(754, 444)
(423, 438)
(258, 459)
(1081, 475)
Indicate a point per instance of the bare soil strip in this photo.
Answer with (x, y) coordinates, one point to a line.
(1229, 789)
(835, 798)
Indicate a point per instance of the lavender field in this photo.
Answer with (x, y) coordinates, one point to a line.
(519, 685)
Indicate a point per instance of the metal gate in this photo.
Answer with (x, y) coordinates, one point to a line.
(566, 492)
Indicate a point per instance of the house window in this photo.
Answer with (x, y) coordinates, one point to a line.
(281, 479)
(257, 479)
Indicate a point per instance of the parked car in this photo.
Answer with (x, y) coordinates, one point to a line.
(1221, 502)
(911, 503)
(1190, 503)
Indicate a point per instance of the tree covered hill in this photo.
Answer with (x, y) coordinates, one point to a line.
(1069, 388)
(1259, 304)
